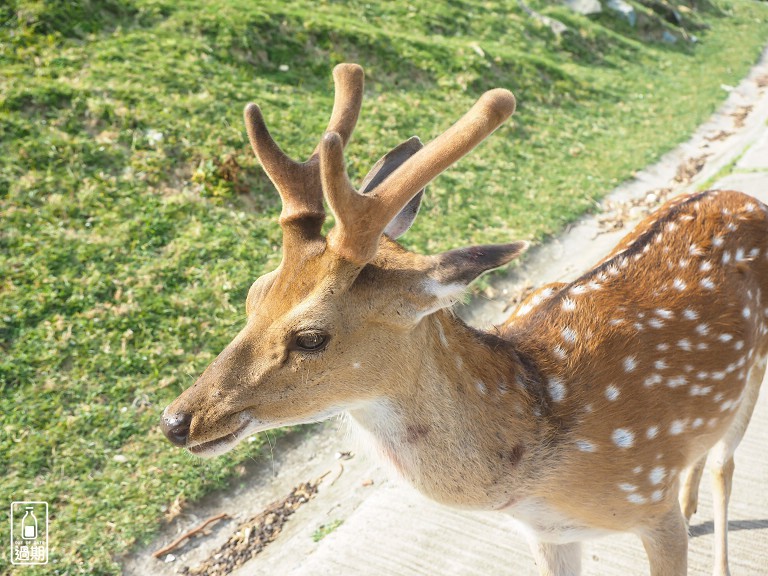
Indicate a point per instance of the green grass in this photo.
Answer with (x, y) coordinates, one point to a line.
(135, 217)
(324, 529)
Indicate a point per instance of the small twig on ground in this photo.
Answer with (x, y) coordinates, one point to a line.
(341, 471)
(199, 528)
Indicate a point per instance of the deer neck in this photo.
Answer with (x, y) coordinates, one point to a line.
(457, 420)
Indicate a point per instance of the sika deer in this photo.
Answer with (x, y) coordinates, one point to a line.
(577, 416)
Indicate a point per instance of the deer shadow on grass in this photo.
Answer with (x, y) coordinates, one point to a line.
(706, 528)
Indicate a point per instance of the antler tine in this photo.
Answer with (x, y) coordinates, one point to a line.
(299, 182)
(348, 99)
(361, 219)
(296, 182)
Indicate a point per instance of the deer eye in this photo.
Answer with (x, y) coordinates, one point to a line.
(311, 341)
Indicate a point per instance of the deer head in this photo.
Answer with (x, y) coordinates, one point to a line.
(325, 329)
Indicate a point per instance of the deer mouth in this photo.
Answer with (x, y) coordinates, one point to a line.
(223, 444)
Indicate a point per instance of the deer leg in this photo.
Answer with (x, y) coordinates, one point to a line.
(666, 544)
(689, 493)
(723, 465)
(557, 559)
(722, 476)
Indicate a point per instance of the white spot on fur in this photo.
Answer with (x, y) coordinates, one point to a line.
(717, 240)
(726, 257)
(655, 323)
(657, 495)
(652, 380)
(664, 313)
(568, 305)
(556, 389)
(524, 309)
(625, 487)
(684, 344)
(623, 438)
(569, 335)
(615, 321)
(679, 284)
(707, 284)
(481, 387)
(676, 381)
(702, 329)
(652, 432)
(636, 498)
(611, 393)
(697, 423)
(630, 363)
(705, 266)
(356, 365)
(677, 427)
(725, 337)
(663, 346)
(697, 390)
(746, 312)
(578, 289)
(585, 446)
(690, 314)
(559, 352)
(660, 364)
(738, 345)
(657, 475)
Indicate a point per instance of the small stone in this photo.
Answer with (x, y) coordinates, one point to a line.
(170, 558)
(668, 37)
(119, 458)
(624, 10)
(584, 7)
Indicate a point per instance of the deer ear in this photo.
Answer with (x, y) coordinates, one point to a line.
(460, 267)
(381, 170)
(451, 272)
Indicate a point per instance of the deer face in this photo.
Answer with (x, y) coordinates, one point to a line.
(324, 330)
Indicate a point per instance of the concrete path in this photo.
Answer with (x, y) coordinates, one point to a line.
(388, 529)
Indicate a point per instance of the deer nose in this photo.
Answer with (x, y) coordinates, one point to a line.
(176, 427)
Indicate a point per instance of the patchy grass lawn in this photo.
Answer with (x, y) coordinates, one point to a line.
(134, 216)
